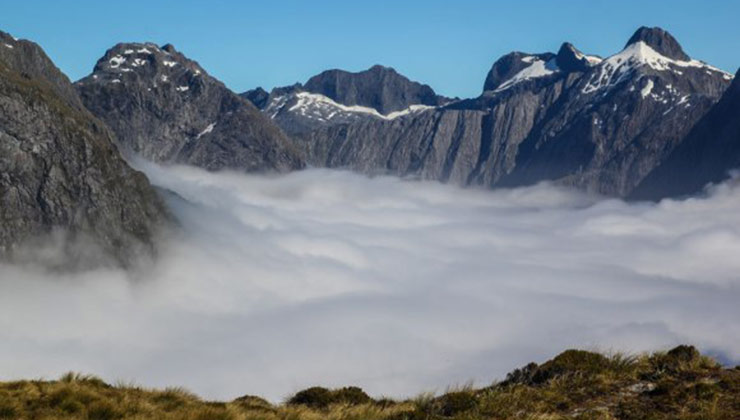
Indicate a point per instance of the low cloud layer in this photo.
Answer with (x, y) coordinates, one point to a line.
(331, 278)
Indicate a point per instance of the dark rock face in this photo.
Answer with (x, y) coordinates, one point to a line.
(569, 59)
(617, 122)
(661, 41)
(166, 108)
(337, 97)
(708, 153)
(597, 124)
(61, 173)
(506, 67)
(380, 88)
(31, 62)
(475, 145)
(258, 97)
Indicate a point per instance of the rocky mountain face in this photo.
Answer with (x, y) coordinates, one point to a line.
(379, 87)
(61, 177)
(598, 124)
(707, 155)
(620, 119)
(337, 97)
(166, 108)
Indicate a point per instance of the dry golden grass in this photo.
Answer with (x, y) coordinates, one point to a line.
(679, 384)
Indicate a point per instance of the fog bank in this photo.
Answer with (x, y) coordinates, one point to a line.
(331, 278)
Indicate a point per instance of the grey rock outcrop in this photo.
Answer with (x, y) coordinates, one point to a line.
(62, 179)
(166, 108)
(258, 97)
(707, 155)
(379, 87)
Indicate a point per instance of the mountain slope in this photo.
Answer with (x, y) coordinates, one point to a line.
(598, 124)
(337, 97)
(166, 108)
(707, 155)
(620, 120)
(60, 172)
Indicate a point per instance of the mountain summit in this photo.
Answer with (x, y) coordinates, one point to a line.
(570, 59)
(661, 41)
(379, 87)
(166, 108)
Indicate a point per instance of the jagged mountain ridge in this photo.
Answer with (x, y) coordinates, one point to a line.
(598, 124)
(60, 171)
(166, 108)
(336, 97)
(379, 87)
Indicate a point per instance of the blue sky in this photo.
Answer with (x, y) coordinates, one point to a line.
(449, 45)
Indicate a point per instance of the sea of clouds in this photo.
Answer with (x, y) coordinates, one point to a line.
(277, 283)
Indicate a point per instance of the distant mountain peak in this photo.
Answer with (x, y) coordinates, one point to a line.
(379, 87)
(659, 40)
(506, 68)
(570, 59)
(169, 48)
(165, 107)
(145, 58)
(257, 96)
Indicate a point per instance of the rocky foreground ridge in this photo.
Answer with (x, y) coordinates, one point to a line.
(678, 384)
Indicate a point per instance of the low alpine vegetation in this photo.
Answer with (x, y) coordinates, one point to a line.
(577, 384)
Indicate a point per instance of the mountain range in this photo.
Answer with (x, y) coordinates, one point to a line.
(644, 123)
(576, 119)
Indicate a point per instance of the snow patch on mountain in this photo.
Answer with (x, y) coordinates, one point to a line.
(314, 105)
(538, 68)
(206, 130)
(116, 61)
(647, 89)
(618, 67)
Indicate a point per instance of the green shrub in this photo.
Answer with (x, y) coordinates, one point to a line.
(315, 397)
(571, 362)
(351, 395)
(251, 402)
(457, 402)
(71, 406)
(523, 375)
(321, 398)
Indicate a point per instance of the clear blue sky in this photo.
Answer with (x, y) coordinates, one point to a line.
(449, 45)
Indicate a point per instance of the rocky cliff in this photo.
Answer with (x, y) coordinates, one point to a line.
(166, 108)
(62, 180)
(707, 155)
